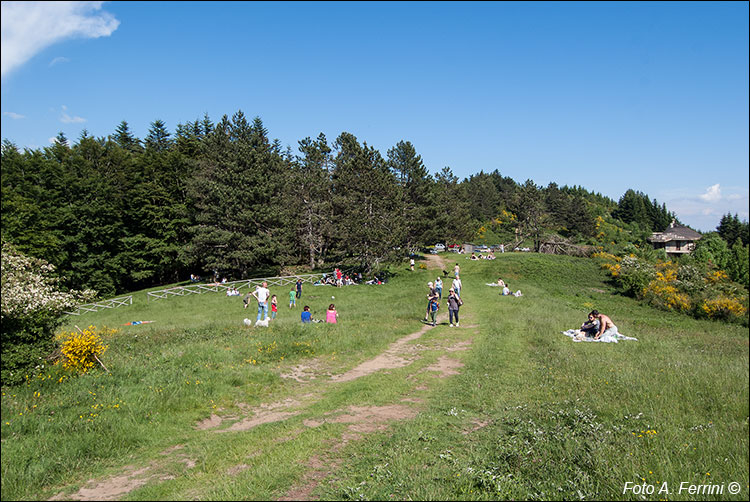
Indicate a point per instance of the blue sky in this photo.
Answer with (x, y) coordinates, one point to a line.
(609, 96)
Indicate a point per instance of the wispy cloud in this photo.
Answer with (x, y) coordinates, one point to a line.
(14, 116)
(58, 60)
(29, 27)
(67, 119)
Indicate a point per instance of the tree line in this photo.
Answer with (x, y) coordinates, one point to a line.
(118, 213)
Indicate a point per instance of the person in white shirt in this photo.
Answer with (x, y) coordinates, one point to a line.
(261, 294)
(456, 286)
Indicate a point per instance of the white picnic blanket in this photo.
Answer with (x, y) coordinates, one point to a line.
(578, 336)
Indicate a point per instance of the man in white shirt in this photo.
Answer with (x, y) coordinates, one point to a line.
(261, 294)
(456, 286)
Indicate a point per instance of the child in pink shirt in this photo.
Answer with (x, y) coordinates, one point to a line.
(331, 314)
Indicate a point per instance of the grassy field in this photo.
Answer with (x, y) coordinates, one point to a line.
(381, 407)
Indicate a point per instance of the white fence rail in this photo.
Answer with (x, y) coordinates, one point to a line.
(104, 304)
(197, 289)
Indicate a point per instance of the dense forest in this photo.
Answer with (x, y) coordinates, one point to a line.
(118, 214)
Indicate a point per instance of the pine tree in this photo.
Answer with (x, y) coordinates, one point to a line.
(308, 198)
(414, 182)
(366, 204)
(234, 190)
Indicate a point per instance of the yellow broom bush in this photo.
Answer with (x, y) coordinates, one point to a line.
(80, 349)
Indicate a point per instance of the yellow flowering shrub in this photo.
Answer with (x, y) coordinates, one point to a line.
(723, 308)
(717, 276)
(662, 293)
(80, 349)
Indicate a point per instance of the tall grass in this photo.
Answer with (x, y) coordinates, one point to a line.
(530, 415)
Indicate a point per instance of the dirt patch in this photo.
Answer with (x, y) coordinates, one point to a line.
(476, 425)
(390, 359)
(435, 262)
(446, 366)
(303, 372)
(209, 423)
(263, 417)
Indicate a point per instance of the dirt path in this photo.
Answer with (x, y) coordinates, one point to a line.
(361, 420)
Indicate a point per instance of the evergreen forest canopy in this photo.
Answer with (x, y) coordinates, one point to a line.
(119, 214)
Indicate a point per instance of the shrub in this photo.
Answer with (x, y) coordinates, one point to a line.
(32, 307)
(81, 349)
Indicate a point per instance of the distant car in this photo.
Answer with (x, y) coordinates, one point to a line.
(482, 249)
(439, 247)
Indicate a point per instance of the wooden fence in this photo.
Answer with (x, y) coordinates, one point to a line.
(197, 289)
(104, 304)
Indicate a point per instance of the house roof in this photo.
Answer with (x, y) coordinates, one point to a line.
(675, 233)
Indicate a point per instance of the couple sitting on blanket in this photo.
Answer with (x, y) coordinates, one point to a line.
(596, 326)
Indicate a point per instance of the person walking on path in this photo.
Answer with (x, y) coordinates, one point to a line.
(454, 303)
(456, 286)
(456, 270)
(433, 307)
(431, 295)
(439, 287)
(261, 294)
(299, 288)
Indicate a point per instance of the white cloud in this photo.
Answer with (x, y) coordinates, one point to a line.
(58, 60)
(30, 27)
(713, 194)
(14, 116)
(67, 119)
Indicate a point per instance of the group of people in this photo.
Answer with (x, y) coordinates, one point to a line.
(488, 256)
(264, 299)
(598, 325)
(454, 301)
(332, 315)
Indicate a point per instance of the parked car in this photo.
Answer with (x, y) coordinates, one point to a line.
(439, 247)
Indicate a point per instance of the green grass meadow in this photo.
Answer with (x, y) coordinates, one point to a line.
(527, 413)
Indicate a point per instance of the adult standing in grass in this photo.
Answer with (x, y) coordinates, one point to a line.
(439, 287)
(456, 270)
(261, 294)
(454, 303)
(299, 288)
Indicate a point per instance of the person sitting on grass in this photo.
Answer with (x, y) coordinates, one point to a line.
(606, 326)
(591, 327)
(331, 314)
(306, 316)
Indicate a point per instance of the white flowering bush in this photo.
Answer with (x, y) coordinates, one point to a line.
(32, 307)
